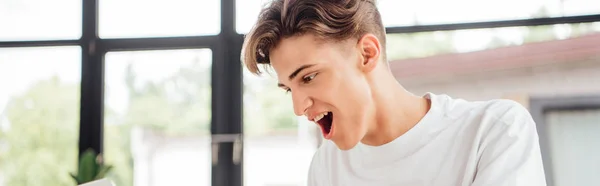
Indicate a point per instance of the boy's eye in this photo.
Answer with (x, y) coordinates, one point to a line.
(309, 78)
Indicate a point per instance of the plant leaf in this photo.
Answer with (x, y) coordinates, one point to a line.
(87, 166)
(103, 171)
(76, 178)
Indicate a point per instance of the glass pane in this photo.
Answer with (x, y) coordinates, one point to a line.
(409, 12)
(515, 62)
(247, 13)
(426, 44)
(40, 19)
(141, 18)
(278, 145)
(574, 146)
(39, 115)
(157, 117)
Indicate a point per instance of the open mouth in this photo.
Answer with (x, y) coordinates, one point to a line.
(326, 123)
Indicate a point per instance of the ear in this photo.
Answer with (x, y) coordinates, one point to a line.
(370, 49)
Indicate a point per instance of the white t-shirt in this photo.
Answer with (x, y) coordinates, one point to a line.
(457, 143)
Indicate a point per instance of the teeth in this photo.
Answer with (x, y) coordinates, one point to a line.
(319, 117)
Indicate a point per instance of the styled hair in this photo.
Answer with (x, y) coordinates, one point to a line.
(328, 20)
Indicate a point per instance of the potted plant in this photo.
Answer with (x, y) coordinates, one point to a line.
(91, 167)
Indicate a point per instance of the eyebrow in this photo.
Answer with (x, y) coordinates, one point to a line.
(295, 73)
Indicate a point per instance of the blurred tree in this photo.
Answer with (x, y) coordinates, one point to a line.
(176, 105)
(267, 108)
(43, 135)
(179, 104)
(117, 145)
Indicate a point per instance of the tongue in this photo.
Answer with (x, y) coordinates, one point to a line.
(326, 122)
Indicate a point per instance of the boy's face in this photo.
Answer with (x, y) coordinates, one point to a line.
(329, 81)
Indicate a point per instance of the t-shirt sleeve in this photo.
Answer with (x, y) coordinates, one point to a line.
(510, 151)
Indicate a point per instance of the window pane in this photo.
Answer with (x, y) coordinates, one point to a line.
(247, 13)
(409, 12)
(516, 62)
(574, 146)
(160, 18)
(278, 146)
(39, 115)
(39, 19)
(157, 117)
(426, 44)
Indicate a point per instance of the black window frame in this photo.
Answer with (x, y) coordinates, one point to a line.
(226, 78)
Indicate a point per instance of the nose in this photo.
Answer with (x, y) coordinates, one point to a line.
(301, 102)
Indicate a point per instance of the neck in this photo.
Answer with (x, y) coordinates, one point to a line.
(396, 110)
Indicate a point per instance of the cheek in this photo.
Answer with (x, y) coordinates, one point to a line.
(350, 94)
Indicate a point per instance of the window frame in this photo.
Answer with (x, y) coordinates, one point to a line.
(227, 90)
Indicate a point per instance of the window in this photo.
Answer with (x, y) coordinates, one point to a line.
(427, 12)
(160, 18)
(158, 102)
(40, 20)
(39, 115)
(278, 146)
(427, 44)
(157, 117)
(482, 64)
(247, 13)
(573, 143)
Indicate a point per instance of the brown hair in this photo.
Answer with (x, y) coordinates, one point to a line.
(330, 20)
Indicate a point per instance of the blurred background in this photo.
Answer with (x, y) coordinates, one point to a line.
(157, 86)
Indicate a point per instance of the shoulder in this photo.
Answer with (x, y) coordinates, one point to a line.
(499, 108)
(506, 110)
(502, 122)
(507, 145)
(490, 117)
(490, 112)
(506, 114)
